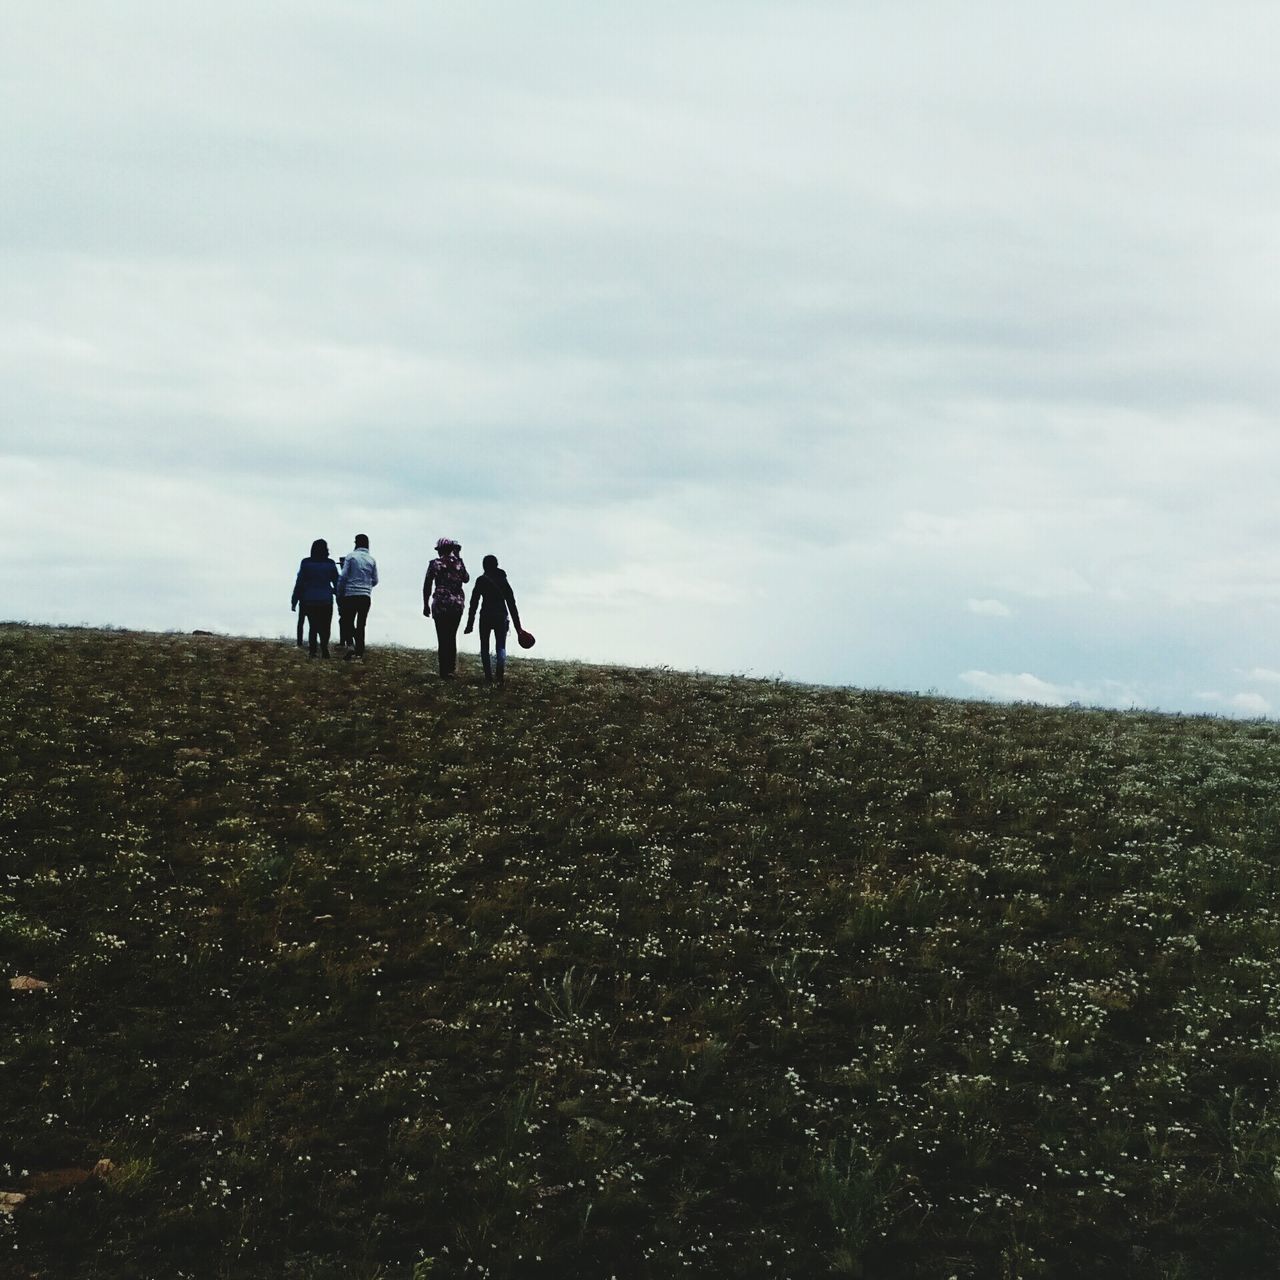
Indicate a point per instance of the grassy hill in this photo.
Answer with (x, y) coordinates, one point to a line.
(354, 973)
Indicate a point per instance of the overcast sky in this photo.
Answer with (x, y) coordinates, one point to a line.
(914, 345)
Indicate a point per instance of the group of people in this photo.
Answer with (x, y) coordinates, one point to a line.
(351, 582)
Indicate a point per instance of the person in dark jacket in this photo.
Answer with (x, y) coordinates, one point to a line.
(447, 576)
(313, 589)
(344, 614)
(493, 596)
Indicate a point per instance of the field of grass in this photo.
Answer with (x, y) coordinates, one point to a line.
(354, 973)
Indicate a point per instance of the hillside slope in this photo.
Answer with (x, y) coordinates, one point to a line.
(621, 972)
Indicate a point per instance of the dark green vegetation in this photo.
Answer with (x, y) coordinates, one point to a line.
(624, 973)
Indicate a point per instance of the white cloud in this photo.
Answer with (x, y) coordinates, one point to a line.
(989, 608)
(1025, 687)
(1250, 704)
(1245, 703)
(1264, 675)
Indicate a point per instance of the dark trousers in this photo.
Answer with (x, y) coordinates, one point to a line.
(353, 613)
(499, 632)
(319, 615)
(302, 622)
(446, 621)
(344, 620)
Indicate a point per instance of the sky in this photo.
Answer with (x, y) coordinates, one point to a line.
(904, 345)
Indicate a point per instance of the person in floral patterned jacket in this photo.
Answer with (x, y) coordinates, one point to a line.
(447, 575)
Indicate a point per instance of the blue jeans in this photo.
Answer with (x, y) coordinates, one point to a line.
(499, 631)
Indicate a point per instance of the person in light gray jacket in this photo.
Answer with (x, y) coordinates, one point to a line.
(355, 593)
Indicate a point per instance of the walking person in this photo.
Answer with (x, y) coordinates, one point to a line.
(344, 614)
(355, 594)
(494, 597)
(313, 589)
(447, 575)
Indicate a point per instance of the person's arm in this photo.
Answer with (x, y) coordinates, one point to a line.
(466, 577)
(511, 604)
(426, 589)
(345, 576)
(475, 601)
(333, 577)
(297, 590)
(373, 566)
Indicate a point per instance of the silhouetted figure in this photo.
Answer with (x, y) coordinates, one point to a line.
(494, 597)
(344, 615)
(313, 589)
(355, 594)
(447, 575)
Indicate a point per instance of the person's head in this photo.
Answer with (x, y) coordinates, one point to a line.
(448, 546)
(319, 549)
(362, 540)
(490, 563)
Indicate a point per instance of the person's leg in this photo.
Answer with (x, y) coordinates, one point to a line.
(324, 616)
(359, 616)
(302, 622)
(344, 621)
(449, 635)
(485, 629)
(313, 625)
(500, 648)
(442, 641)
(453, 643)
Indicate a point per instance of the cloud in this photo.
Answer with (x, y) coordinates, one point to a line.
(1245, 703)
(1264, 675)
(580, 286)
(988, 608)
(1251, 704)
(1025, 687)
(1008, 687)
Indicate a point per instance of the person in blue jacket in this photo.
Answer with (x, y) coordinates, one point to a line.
(356, 582)
(313, 589)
